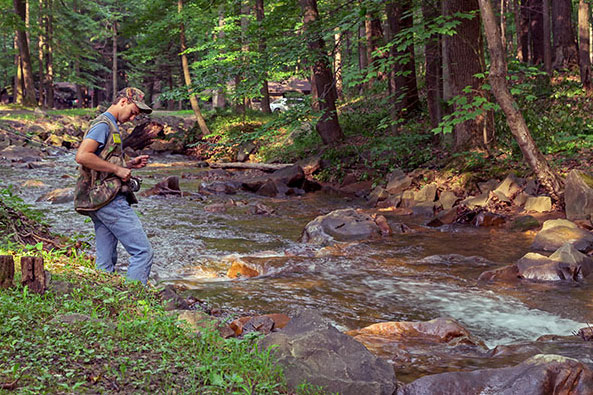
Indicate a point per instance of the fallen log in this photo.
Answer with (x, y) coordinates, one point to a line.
(257, 166)
(143, 135)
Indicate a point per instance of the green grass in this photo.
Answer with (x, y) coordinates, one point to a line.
(129, 344)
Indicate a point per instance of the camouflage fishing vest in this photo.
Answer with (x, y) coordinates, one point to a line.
(95, 189)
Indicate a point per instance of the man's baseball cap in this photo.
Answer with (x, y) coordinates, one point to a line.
(136, 96)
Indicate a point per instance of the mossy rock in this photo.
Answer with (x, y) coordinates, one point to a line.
(524, 223)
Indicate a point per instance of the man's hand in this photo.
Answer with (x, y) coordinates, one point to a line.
(138, 162)
(123, 173)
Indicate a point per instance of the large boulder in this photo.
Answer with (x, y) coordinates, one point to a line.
(557, 232)
(398, 182)
(578, 195)
(540, 375)
(340, 225)
(312, 350)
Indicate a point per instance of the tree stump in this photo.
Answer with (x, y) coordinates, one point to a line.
(33, 274)
(143, 135)
(6, 271)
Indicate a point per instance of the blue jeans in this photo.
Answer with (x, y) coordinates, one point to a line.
(115, 222)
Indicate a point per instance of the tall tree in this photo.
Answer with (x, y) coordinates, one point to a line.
(328, 126)
(536, 31)
(434, 65)
(186, 76)
(25, 56)
(584, 60)
(565, 48)
(498, 74)
(547, 38)
(404, 85)
(265, 92)
(374, 40)
(523, 14)
(465, 58)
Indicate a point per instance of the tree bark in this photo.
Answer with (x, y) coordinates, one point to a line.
(328, 126)
(363, 62)
(25, 56)
(547, 38)
(565, 47)
(185, 66)
(515, 120)
(33, 274)
(584, 60)
(259, 16)
(19, 89)
(405, 88)
(465, 57)
(434, 65)
(6, 271)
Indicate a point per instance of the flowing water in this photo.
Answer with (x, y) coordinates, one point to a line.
(416, 276)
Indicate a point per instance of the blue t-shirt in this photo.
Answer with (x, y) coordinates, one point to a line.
(100, 131)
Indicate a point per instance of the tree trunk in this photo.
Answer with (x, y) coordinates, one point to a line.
(114, 62)
(328, 126)
(265, 93)
(25, 55)
(515, 120)
(536, 30)
(19, 89)
(584, 60)
(517, 15)
(363, 62)
(565, 48)
(185, 66)
(338, 62)
(49, 60)
(547, 38)
(434, 65)
(503, 23)
(374, 39)
(405, 88)
(41, 20)
(218, 99)
(523, 38)
(465, 57)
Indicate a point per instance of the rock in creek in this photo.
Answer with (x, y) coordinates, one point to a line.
(169, 186)
(310, 349)
(540, 375)
(340, 225)
(567, 263)
(556, 232)
(58, 196)
(21, 154)
(578, 195)
(398, 182)
(538, 204)
(262, 323)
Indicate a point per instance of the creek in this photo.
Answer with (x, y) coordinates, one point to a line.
(408, 277)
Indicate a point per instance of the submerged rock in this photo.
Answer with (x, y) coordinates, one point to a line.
(539, 375)
(524, 223)
(340, 225)
(310, 349)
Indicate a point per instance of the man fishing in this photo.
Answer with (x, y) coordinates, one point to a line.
(104, 190)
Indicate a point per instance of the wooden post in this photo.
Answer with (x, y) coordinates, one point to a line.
(33, 273)
(6, 271)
